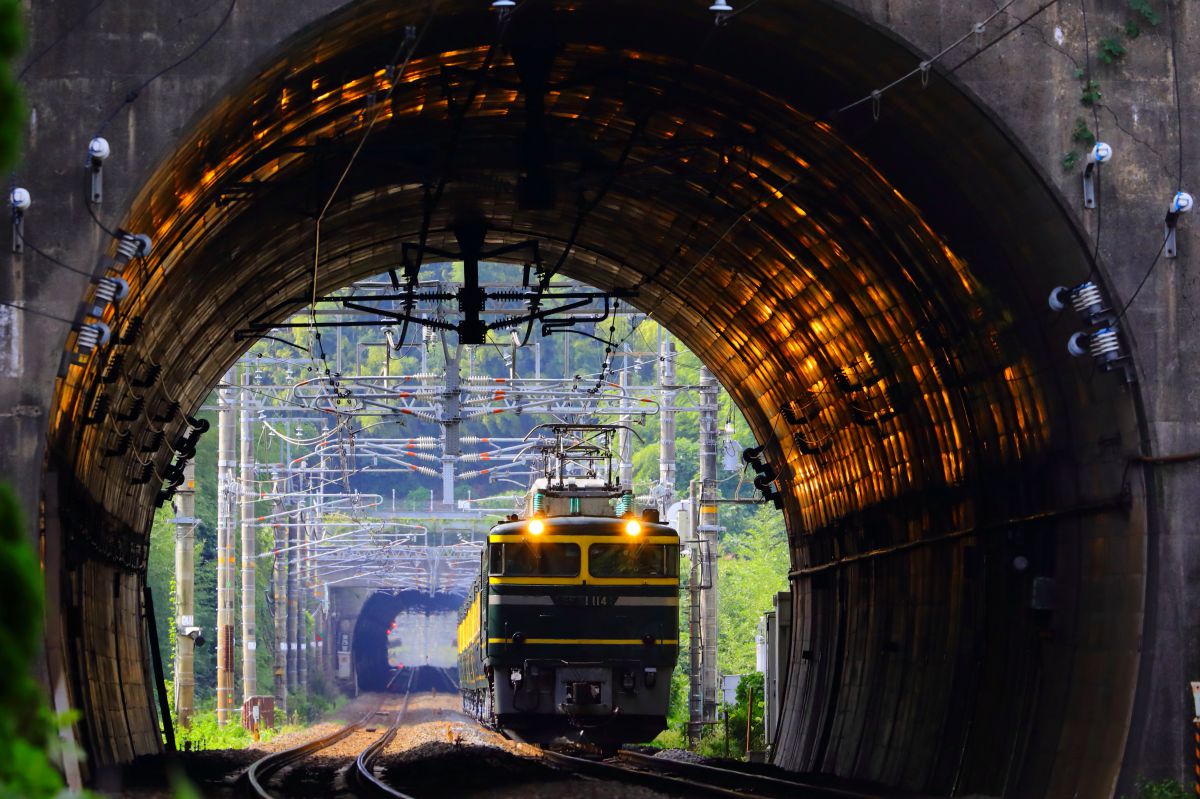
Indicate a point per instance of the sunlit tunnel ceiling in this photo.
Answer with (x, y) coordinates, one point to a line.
(870, 298)
(875, 361)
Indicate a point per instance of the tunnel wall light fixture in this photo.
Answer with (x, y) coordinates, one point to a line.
(1101, 153)
(19, 201)
(1181, 204)
(98, 152)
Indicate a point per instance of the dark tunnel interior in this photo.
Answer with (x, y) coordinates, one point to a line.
(869, 308)
(374, 670)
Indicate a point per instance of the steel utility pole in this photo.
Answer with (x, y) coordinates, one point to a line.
(707, 534)
(185, 548)
(666, 420)
(249, 545)
(451, 421)
(227, 496)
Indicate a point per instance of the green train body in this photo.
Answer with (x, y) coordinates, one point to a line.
(573, 631)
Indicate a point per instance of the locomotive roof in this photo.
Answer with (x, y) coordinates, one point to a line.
(584, 525)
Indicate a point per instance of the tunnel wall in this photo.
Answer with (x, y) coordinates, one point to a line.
(104, 60)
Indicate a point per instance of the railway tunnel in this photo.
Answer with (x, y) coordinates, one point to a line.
(398, 630)
(967, 552)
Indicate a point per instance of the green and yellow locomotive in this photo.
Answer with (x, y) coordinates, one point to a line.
(572, 629)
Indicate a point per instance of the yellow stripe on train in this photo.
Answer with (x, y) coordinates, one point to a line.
(602, 641)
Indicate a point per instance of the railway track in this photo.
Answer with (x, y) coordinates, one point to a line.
(264, 772)
(694, 779)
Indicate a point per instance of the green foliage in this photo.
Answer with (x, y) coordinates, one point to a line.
(1089, 95)
(205, 733)
(1162, 789)
(1111, 50)
(160, 576)
(1082, 133)
(752, 570)
(12, 105)
(1132, 31)
(311, 707)
(1070, 160)
(1143, 9)
(27, 726)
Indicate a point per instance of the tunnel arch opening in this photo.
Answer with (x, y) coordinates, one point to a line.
(872, 312)
(379, 648)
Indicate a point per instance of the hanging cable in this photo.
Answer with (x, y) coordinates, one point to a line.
(1179, 172)
(412, 42)
(36, 312)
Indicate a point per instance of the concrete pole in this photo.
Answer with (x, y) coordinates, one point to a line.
(302, 607)
(279, 583)
(293, 582)
(226, 506)
(666, 421)
(185, 575)
(624, 437)
(249, 545)
(695, 634)
(709, 527)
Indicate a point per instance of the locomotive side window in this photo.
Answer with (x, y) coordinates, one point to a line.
(535, 560)
(633, 560)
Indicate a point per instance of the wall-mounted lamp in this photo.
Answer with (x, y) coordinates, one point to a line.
(1181, 204)
(98, 151)
(19, 200)
(1100, 154)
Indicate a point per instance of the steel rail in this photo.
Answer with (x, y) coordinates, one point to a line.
(259, 775)
(364, 763)
(655, 780)
(741, 781)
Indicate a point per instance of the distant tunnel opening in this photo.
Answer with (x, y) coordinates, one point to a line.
(878, 317)
(399, 632)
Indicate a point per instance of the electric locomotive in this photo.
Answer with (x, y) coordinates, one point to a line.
(572, 628)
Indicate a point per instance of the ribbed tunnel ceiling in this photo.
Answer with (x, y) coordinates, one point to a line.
(816, 290)
(867, 309)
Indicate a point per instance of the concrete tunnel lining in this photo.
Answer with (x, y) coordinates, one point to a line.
(857, 253)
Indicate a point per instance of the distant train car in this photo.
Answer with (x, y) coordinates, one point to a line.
(572, 629)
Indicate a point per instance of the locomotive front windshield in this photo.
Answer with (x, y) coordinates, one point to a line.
(633, 560)
(535, 560)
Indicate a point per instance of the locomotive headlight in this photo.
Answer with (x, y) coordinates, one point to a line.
(633, 528)
(536, 527)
